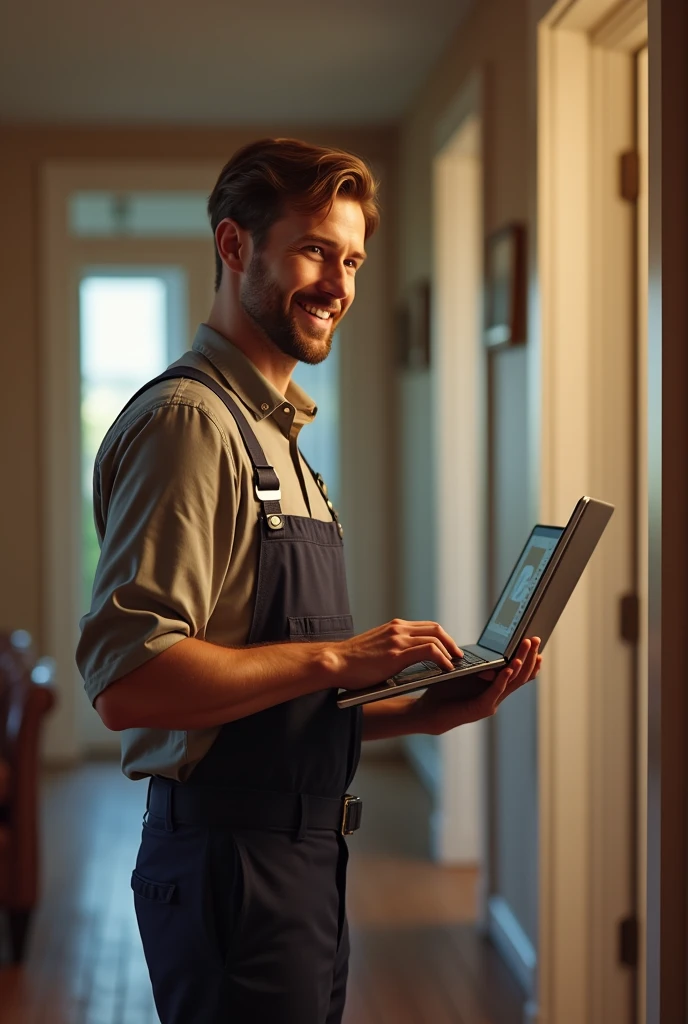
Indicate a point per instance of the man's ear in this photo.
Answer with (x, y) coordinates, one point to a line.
(233, 245)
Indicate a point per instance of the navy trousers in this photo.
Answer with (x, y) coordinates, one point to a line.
(243, 926)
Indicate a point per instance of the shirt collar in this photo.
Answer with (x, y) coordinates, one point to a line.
(255, 391)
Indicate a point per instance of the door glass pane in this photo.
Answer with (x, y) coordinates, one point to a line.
(319, 441)
(124, 342)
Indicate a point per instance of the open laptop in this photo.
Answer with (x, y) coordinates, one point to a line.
(536, 593)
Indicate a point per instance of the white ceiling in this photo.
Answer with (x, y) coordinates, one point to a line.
(352, 62)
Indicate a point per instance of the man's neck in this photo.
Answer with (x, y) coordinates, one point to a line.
(275, 366)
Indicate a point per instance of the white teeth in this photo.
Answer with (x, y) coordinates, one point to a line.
(322, 314)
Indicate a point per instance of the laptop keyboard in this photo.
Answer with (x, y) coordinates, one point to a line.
(469, 659)
(422, 669)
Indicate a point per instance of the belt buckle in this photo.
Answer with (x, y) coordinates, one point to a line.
(351, 814)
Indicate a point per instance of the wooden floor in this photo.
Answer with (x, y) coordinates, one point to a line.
(416, 958)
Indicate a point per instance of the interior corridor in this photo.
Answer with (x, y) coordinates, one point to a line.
(416, 959)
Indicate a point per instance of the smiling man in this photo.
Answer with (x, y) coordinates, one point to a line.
(219, 631)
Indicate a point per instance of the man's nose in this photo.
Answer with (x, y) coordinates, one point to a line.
(336, 282)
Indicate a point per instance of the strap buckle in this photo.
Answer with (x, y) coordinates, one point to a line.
(268, 495)
(267, 485)
(352, 812)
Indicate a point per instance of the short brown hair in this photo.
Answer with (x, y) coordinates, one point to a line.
(265, 177)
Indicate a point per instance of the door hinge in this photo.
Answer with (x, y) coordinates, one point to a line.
(629, 618)
(628, 941)
(629, 176)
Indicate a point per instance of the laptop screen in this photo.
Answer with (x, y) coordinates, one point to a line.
(517, 593)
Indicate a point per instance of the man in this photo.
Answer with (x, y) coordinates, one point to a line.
(219, 630)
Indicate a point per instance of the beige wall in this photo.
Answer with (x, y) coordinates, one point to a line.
(24, 151)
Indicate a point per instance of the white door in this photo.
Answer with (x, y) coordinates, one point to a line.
(108, 219)
(585, 366)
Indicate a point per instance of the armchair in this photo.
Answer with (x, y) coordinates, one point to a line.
(26, 695)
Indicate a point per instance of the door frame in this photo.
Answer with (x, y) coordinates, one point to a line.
(642, 553)
(60, 399)
(582, 296)
(667, 777)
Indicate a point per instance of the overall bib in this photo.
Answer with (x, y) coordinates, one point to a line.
(239, 884)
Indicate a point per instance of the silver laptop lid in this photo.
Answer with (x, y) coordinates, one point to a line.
(583, 532)
(545, 576)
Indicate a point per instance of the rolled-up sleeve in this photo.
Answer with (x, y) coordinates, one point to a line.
(165, 496)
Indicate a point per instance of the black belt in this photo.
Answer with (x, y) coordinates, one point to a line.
(261, 809)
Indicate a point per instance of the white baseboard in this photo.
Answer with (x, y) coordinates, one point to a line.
(515, 946)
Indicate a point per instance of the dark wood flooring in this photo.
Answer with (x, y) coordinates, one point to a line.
(416, 956)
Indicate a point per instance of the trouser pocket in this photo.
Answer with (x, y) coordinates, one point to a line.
(155, 891)
(188, 889)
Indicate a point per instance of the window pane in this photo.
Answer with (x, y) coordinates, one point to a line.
(98, 214)
(123, 327)
(124, 343)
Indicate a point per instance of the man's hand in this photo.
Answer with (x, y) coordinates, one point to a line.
(441, 707)
(374, 656)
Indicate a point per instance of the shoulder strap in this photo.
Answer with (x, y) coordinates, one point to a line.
(323, 490)
(266, 481)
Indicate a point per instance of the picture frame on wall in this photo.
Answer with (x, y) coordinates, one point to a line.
(413, 327)
(505, 287)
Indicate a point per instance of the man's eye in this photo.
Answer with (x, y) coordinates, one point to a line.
(314, 248)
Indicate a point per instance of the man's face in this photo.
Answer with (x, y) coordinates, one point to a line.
(300, 285)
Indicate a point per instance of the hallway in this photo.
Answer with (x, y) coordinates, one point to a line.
(416, 958)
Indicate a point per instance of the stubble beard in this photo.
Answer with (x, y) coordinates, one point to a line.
(263, 301)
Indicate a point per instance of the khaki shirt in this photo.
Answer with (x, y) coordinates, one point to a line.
(177, 521)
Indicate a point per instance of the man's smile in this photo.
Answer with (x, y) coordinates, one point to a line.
(316, 312)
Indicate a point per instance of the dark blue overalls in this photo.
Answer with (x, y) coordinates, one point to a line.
(240, 879)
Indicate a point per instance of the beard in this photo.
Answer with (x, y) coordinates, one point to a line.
(263, 301)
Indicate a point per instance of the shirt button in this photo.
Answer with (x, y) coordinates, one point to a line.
(286, 410)
(265, 406)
